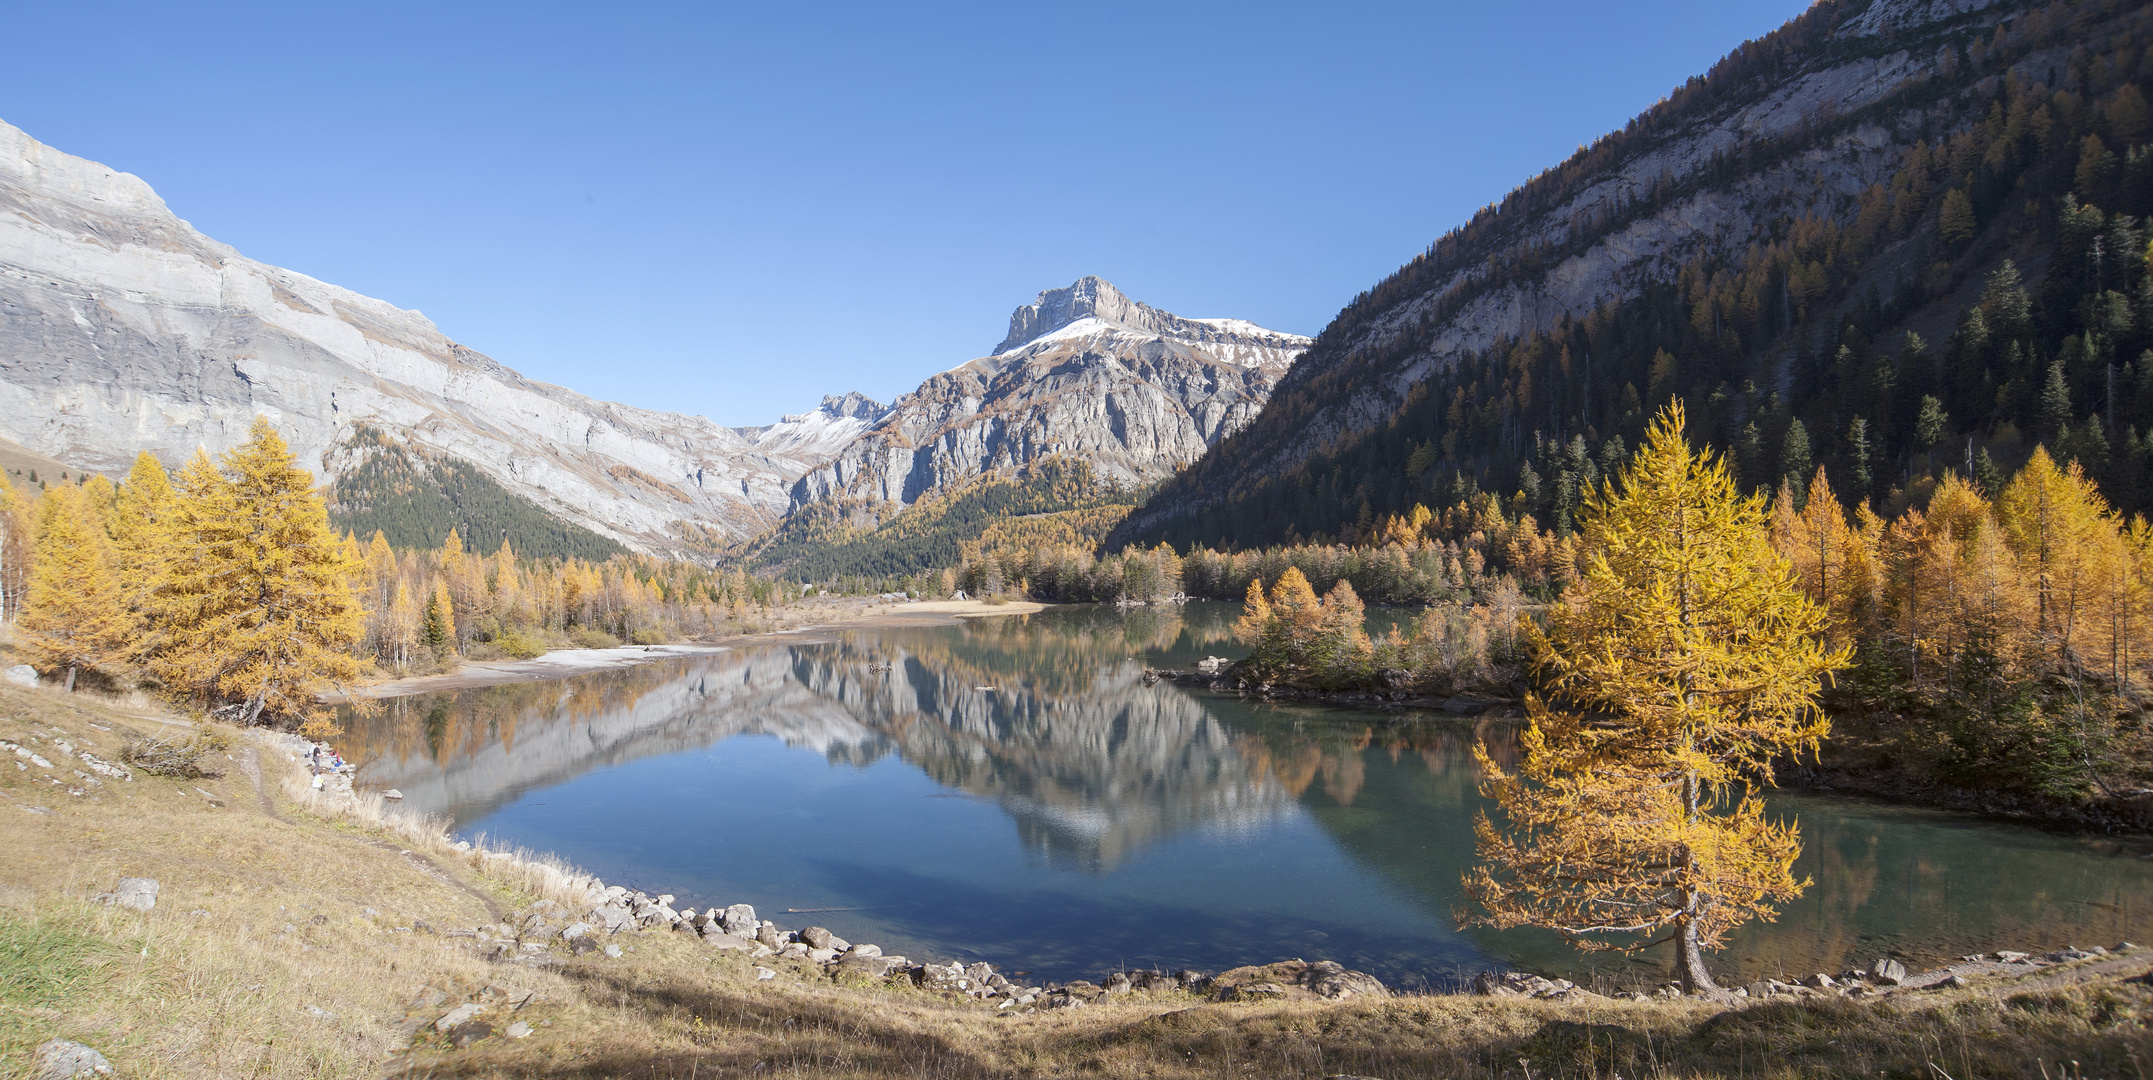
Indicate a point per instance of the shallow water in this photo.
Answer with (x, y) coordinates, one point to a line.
(1010, 790)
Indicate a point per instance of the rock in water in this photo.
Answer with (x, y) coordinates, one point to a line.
(24, 675)
(64, 1060)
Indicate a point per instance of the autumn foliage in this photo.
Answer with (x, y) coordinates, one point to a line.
(225, 586)
(1681, 663)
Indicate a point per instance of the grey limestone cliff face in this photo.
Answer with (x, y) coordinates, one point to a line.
(1085, 373)
(123, 329)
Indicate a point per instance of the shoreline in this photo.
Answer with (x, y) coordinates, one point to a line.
(849, 614)
(1835, 774)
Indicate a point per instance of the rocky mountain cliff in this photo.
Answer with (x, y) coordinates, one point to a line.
(1085, 373)
(123, 329)
(1751, 244)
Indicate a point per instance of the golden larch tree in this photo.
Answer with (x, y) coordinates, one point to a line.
(15, 555)
(2066, 538)
(1685, 658)
(263, 610)
(75, 616)
(145, 519)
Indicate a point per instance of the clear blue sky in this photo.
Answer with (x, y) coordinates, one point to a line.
(734, 209)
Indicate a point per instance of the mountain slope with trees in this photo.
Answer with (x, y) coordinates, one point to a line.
(1888, 238)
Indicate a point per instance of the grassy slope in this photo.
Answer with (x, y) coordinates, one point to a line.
(178, 994)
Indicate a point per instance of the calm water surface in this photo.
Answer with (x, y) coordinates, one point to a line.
(1010, 790)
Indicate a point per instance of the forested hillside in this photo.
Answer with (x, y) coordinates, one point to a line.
(1939, 264)
(1056, 501)
(414, 498)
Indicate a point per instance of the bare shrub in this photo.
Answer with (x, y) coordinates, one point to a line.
(179, 755)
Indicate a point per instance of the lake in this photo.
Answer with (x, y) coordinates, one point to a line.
(1009, 790)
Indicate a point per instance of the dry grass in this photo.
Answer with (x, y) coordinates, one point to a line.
(172, 993)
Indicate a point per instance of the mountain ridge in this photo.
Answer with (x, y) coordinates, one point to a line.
(1789, 171)
(123, 329)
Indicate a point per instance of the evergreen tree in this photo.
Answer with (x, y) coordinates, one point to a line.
(441, 621)
(262, 610)
(1688, 661)
(1931, 424)
(1861, 479)
(1794, 460)
(76, 615)
(2055, 402)
(1955, 218)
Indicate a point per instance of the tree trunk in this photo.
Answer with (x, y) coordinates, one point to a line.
(1689, 961)
(254, 706)
(70, 678)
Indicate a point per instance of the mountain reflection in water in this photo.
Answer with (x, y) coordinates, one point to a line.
(1152, 824)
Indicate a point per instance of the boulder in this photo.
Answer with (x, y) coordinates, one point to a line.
(740, 919)
(469, 1032)
(816, 937)
(2006, 956)
(576, 930)
(873, 967)
(60, 1059)
(1324, 980)
(138, 893)
(796, 951)
(1887, 972)
(25, 675)
(822, 956)
(949, 978)
(769, 936)
(762, 973)
(1332, 981)
(518, 1030)
(1255, 991)
(719, 939)
(1820, 981)
(614, 917)
(864, 950)
(458, 1016)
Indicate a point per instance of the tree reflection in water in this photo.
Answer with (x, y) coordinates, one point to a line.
(1364, 819)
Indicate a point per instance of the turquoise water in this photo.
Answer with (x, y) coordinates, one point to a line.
(1010, 790)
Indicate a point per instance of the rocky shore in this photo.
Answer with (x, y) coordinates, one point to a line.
(610, 910)
(1884, 977)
